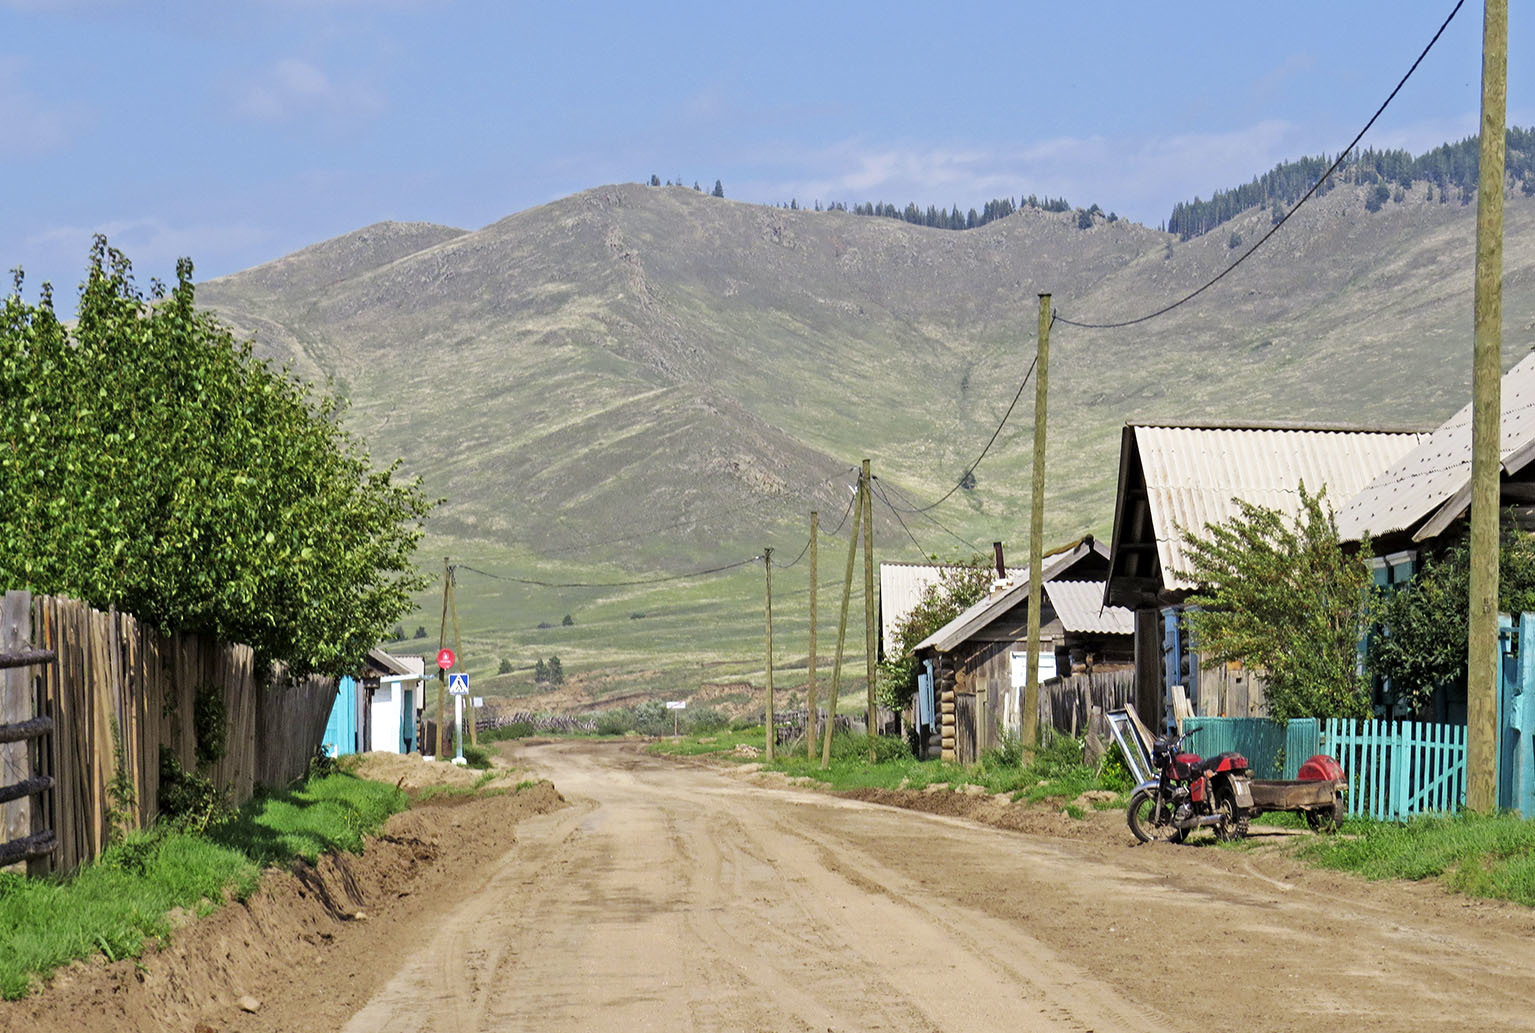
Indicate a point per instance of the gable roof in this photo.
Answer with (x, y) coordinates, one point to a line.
(900, 589)
(1431, 485)
(1175, 478)
(1080, 607)
(980, 614)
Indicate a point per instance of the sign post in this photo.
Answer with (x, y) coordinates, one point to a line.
(458, 686)
(674, 705)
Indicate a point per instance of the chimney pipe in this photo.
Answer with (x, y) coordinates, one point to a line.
(996, 548)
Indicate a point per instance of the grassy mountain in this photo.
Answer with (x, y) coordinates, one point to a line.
(637, 382)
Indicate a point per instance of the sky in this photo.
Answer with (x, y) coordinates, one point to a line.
(237, 132)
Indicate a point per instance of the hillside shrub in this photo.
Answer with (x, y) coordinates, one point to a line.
(617, 721)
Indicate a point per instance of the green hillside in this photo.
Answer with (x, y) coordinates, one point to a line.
(636, 382)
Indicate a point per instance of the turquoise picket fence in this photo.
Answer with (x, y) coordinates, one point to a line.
(1273, 750)
(1396, 769)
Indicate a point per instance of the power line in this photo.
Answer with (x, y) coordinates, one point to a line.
(880, 491)
(1275, 228)
(690, 518)
(994, 434)
(926, 516)
(608, 584)
(832, 533)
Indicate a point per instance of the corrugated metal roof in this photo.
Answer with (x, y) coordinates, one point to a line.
(900, 589)
(1079, 605)
(959, 630)
(1437, 469)
(1194, 474)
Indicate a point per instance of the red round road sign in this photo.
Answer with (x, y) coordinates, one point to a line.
(445, 658)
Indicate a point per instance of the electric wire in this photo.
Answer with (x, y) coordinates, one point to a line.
(994, 435)
(692, 518)
(928, 517)
(1295, 208)
(879, 491)
(832, 533)
(610, 584)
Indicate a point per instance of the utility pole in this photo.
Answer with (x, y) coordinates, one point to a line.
(870, 631)
(442, 674)
(767, 567)
(1486, 423)
(458, 652)
(1037, 532)
(810, 686)
(847, 594)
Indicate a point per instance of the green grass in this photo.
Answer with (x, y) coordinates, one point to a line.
(1477, 855)
(722, 741)
(123, 902)
(1056, 774)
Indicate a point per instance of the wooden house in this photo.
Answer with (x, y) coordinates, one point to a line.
(1177, 478)
(976, 665)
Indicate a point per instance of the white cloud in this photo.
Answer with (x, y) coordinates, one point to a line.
(1141, 177)
(293, 89)
(32, 127)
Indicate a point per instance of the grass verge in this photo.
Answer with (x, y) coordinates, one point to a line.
(125, 900)
(1055, 774)
(1491, 856)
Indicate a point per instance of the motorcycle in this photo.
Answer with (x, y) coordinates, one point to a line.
(1191, 793)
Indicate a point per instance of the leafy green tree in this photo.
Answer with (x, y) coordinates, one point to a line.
(568, 621)
(420, 631)
(540, 671)
(719, 189)
(556, 671)
(150, 461)
(1421, 641)
(957, 589)
(1283, 596)
(506, 666)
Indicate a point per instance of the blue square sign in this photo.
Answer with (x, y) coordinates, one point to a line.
(458, 684)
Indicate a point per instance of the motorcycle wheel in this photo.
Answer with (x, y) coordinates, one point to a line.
(1141, 817)
(1231, 828)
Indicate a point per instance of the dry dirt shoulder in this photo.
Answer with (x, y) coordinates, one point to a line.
(306, 945)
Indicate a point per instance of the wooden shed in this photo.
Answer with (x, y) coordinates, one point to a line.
(977, 664)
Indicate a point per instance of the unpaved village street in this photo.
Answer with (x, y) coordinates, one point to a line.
(645, 893)
(676, 897)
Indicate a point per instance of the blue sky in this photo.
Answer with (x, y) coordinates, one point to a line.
(237, 132)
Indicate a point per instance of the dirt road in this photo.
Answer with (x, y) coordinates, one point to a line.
(674, 897)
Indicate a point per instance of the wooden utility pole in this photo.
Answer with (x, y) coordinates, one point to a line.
(1486, 423)
(458, 652)
(810, 687)
(870, 629)
(772, 733)
(847, 595)
(1037, 532)
(442, 675)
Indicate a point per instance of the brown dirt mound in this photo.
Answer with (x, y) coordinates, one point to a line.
(410, 772)
(1038, 819)
(343, 913)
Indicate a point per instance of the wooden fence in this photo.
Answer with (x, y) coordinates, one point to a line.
(1396, 769)
(120, 691)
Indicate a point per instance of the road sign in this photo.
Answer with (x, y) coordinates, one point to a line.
(479, 701)
(676, 704)
(458, 683)
(445, 658)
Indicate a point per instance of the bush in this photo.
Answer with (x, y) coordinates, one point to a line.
(706, 719)
(618, 721)
(477, 757)
(515, 730)
(652, 718)
(887, 748)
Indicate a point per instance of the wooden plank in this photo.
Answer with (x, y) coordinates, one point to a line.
(16, 711)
